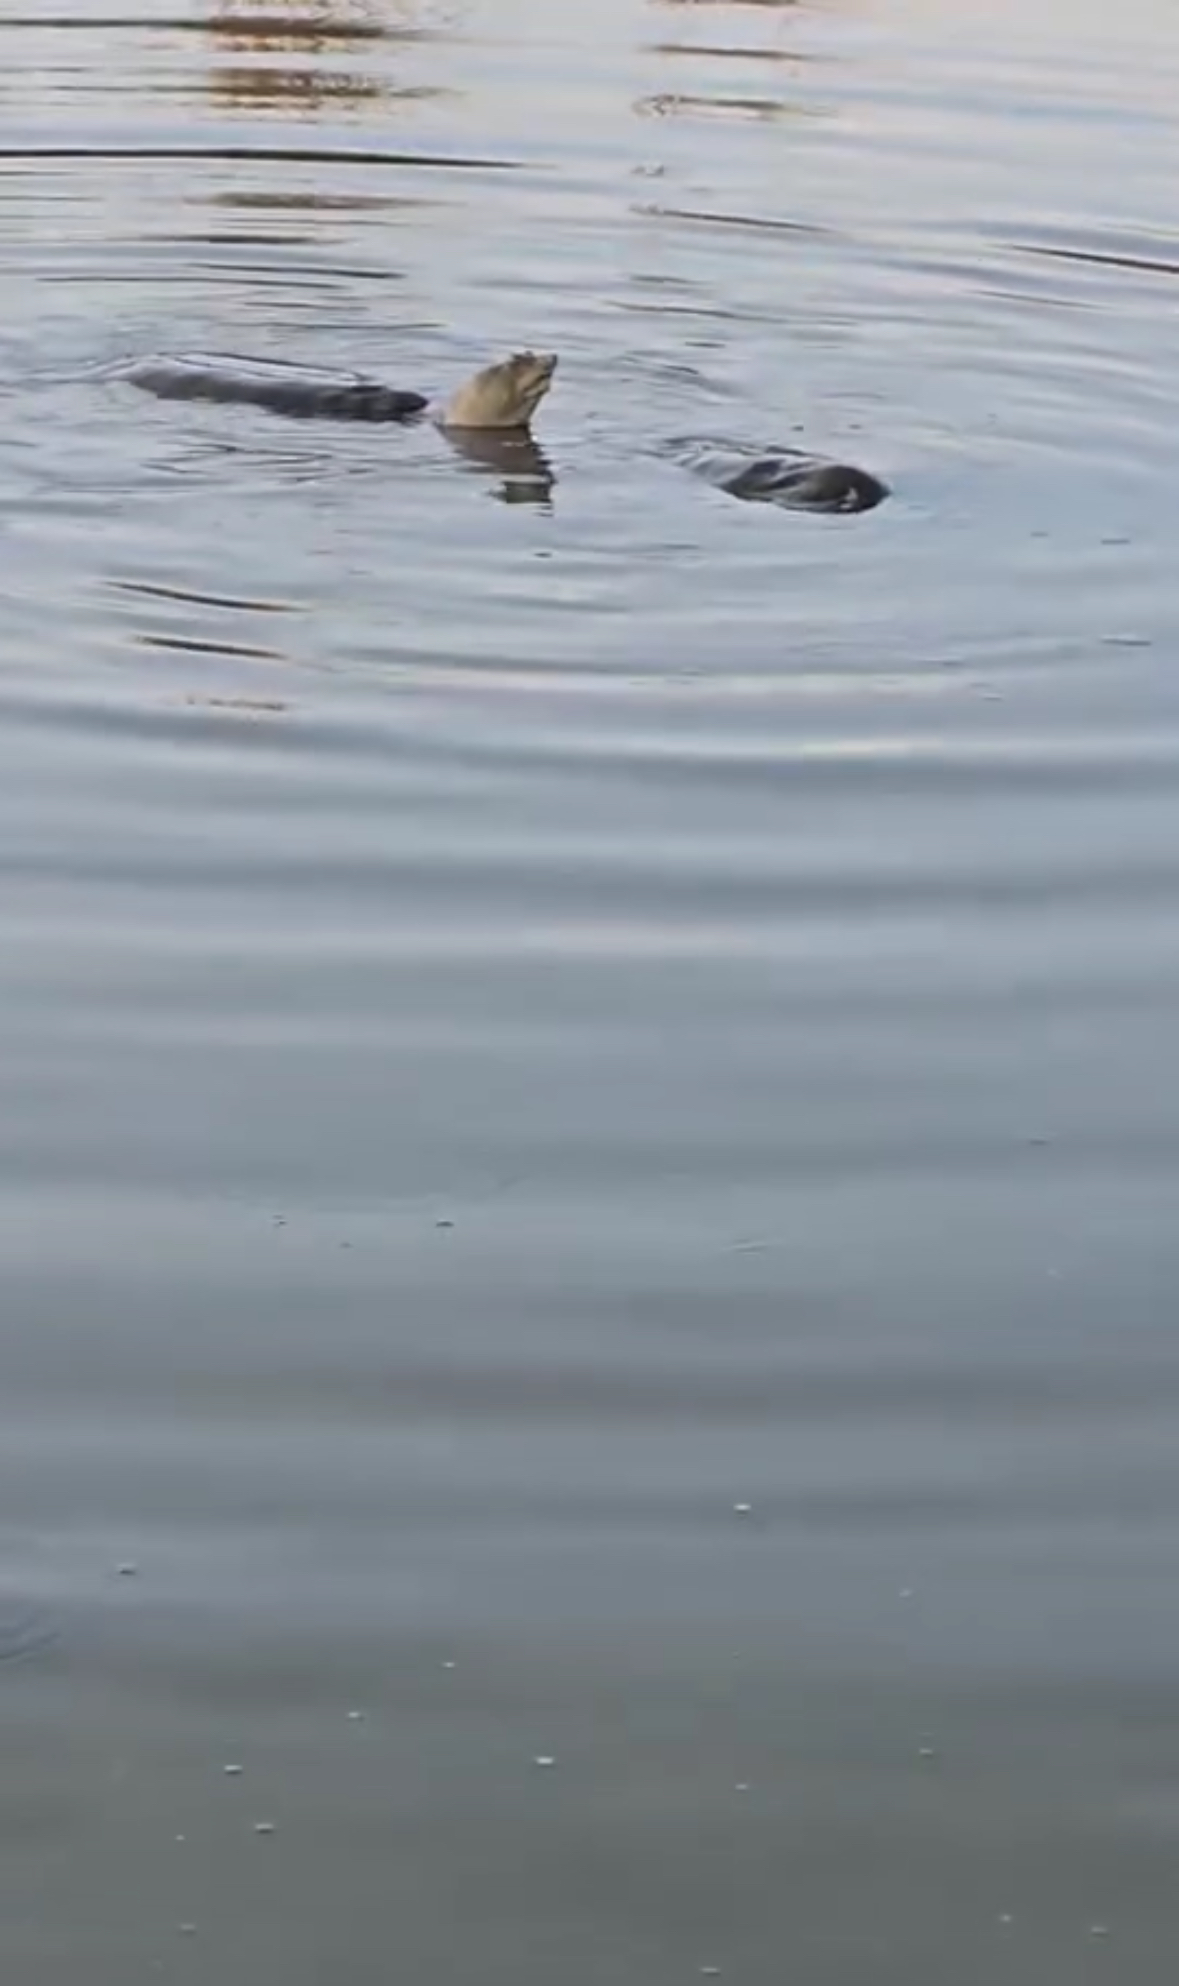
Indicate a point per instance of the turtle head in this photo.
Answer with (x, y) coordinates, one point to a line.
(505, 395)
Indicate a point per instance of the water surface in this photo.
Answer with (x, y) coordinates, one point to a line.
(589, 1148)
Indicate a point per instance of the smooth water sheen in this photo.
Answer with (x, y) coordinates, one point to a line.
(590, 1135)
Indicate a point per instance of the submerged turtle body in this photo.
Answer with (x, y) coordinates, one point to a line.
(788, 476)
(491, 412)
(304, 392)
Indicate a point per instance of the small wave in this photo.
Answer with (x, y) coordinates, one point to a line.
(253, 154)
(25, 1631)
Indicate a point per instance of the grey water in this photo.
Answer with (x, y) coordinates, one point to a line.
(589, 1117)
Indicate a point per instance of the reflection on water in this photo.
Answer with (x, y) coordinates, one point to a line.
(713, 57)
(291, 89)
(528, 475)
(312, 33)
(678, 104)
(314, 26)
(311, 200)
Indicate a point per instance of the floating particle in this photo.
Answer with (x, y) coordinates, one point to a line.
(231, 1771)
(544, 1759)
(187, 1930)
(743, 1509)
(1099, 1930)
(1005, 1917)
(128, 1569)
(356, 1716)
(710, 1972)
(263, 1827)
(906, 1593)
(742, 1786)
(450, 1665)
(926, 1751)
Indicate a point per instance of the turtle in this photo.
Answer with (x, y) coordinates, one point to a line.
(489, 416)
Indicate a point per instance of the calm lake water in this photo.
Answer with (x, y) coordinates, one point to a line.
(589, 1384)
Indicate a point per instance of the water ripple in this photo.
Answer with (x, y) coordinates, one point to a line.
(588, 1159)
